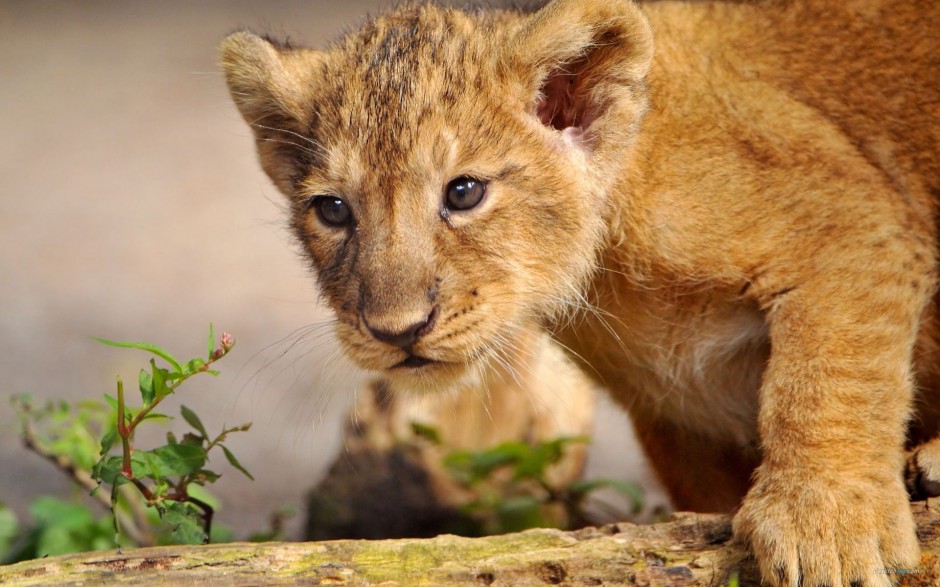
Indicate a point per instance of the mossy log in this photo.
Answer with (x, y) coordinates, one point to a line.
(689, 550)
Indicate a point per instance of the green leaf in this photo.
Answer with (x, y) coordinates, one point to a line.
(64, 527)
(115, 496)
(206, 476)
(172, 376)
(145, 464)
(160, 388)
(520, 513)
(186, 523)
(193, 366)
(457, 464)
(532, 465)
(429, 433)
(534, 462)
(107, 441)
(173, 460)
(91, 405)
(234, 462)
(480, 465)
(210, 348)
(107, 470)
(9, 529)
(51, 510)
(144, 346)
(193, 439)
(145, 382)
(193, 420)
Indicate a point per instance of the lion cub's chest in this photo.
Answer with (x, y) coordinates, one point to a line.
(695, 358)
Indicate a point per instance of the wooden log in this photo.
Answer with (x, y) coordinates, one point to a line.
(690, 550)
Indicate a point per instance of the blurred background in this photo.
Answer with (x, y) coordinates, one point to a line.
(132, 207)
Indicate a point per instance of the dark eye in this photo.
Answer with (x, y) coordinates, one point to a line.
(464, 193)
(332, 211)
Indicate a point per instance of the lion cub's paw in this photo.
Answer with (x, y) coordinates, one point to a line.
(922, 475)
(813, 532)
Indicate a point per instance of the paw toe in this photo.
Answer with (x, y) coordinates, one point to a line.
(922, 475)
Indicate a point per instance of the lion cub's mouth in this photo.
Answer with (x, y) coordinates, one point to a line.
(415, 362)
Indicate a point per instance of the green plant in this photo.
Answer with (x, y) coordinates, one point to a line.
(164, 475)
(9, 531)
(156, 495)
(59, 527)
(514, 492)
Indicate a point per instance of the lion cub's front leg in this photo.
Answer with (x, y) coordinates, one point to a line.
(828, 505)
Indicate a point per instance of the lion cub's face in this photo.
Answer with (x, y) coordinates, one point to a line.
(446, 172)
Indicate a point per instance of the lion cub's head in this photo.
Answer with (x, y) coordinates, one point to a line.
(448, 172)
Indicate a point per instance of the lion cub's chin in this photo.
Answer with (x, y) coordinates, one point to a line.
(434, 378)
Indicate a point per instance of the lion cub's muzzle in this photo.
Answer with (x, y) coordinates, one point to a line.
(406, 338)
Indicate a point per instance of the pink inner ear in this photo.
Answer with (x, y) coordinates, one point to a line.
(563, 103)
(556, 107)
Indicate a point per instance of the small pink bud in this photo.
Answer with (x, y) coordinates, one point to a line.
(226, 340)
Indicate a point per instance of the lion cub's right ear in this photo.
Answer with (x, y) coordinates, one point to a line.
(267, 78)
(272, 86)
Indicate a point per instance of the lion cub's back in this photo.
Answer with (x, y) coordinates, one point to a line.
(870, 66)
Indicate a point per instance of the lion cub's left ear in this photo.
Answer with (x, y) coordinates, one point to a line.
(583, 63)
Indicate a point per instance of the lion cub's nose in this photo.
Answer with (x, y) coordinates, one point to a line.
(409, 335)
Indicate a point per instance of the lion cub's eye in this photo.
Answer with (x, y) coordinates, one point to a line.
(332, 211)
(464, 193)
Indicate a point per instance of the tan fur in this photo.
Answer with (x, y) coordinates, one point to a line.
(725, 210)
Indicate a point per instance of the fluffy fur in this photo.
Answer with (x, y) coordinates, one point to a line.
(735, 232)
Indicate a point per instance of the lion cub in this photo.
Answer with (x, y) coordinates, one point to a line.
(725, 210)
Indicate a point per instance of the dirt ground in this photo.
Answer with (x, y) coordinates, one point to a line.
(132, 207)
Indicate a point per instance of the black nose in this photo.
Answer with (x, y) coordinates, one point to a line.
(408, 336)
